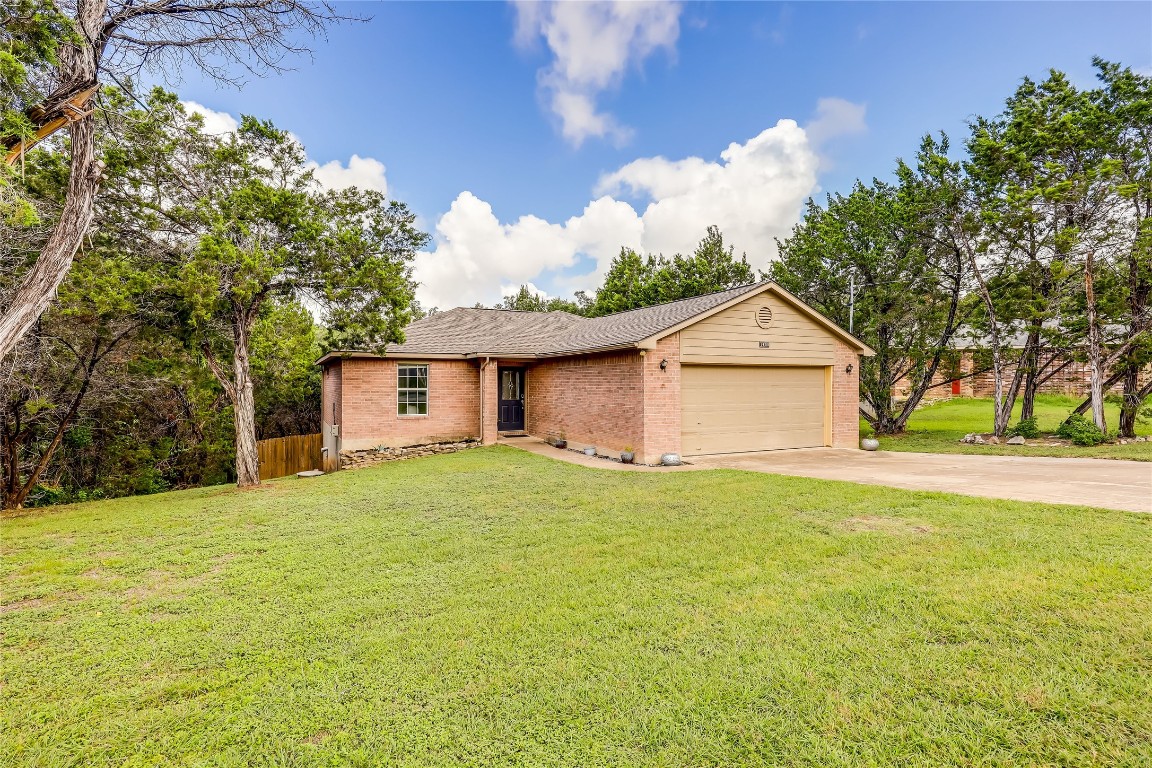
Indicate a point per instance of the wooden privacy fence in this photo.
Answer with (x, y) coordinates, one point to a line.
(282, 456)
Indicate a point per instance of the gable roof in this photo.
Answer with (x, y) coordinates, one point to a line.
(468, 333)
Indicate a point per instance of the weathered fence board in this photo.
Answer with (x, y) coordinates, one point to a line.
(282, 456)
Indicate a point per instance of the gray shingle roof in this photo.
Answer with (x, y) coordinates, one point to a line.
(464, 331)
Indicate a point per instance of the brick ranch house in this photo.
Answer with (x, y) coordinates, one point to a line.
(968, 373)
(748, 369)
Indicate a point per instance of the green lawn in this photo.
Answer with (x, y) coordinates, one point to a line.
(498, 608)
(938, 427)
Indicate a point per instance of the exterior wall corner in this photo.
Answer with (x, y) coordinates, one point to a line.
(846, 398)
(661, 393)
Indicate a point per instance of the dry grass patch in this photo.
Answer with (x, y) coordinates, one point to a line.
(881, 524)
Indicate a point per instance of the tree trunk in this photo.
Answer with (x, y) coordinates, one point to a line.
(39, 285)
(1000, 414)
(10, 455)
(243, 399)
(1031, 362)
(1087, 402)
(244, 418)
(1130, 405)
(942, 344)
(239, 390)
(77, 70)
(1095, 348)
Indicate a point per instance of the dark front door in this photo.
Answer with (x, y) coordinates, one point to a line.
(511, 416)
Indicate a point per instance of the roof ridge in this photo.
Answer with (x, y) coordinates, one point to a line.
(686, 298)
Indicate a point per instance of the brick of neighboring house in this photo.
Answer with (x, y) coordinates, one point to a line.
(845, 398)
(368, 404)
(1068, 377)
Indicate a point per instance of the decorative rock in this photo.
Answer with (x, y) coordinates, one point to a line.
(969, 438)
(993, 440)
(373, 456)
(310, 473)
(1123, 442)
(978, 440)
(870, 444)
(1016, 440)
(671, 460)
(590, 450)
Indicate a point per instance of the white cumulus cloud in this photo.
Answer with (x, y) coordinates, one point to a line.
(754, 191)
(476, 255)
(362, 172)
(214, 122)
(593, 45)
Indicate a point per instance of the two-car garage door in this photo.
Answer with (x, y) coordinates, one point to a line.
(731, 408)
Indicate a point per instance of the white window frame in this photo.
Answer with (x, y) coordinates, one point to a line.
(402, 391)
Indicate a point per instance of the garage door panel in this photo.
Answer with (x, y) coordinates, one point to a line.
(731, 409)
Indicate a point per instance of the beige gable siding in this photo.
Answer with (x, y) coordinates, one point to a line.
(732, 337)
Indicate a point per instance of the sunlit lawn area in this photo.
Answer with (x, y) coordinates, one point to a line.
(498, 608)
(938, 427)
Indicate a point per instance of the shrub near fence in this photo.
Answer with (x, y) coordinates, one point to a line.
(282, 456)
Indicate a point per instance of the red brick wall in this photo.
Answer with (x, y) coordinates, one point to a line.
(845, 398)
(489, 383)
(1071, 379)
(592, 399)
(368, 404)
(661, 401)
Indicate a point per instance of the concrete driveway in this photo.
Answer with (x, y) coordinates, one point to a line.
(1105, 483)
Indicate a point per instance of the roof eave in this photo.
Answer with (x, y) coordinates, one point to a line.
(359, 354)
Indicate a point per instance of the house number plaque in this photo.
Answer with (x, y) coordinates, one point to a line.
(765, 344)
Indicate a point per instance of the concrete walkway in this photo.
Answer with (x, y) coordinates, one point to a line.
(1124, 485)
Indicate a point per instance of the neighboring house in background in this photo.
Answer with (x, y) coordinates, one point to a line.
(969, 373)
(748, 369)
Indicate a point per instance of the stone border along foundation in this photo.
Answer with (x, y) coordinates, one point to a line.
(372, 456)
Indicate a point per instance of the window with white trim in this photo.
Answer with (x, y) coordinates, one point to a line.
(412, 390)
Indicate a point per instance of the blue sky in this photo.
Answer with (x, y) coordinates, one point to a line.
(534, 140)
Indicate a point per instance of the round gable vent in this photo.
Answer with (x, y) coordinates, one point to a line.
(764, 317)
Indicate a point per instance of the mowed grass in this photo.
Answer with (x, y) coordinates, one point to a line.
(938, 427)
(499, 608)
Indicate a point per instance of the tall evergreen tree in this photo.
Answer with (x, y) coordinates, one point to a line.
(242, 227)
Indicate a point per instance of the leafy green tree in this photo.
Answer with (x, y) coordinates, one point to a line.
(241, 228)
(909, 279)
(635, 281)
(1125, 102)
(77, 47)
(711, 267)
(1030, 275)
(527, 300)
(30, 35)
(286, 379)
(73, 364)
(627, 285)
